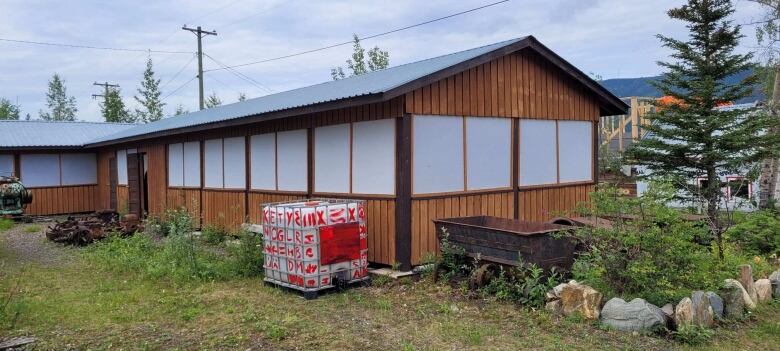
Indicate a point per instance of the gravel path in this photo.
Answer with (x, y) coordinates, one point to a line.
(23, 245)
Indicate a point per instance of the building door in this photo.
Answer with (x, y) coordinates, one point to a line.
(113, 181)
(136, 184)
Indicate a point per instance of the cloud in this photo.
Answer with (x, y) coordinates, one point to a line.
(613, 38)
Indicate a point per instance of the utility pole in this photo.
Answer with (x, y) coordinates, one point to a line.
(106, 86)
(200, 33)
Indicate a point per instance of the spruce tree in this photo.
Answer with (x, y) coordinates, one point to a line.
(8, 110)
(180, 110)
(213, 100)
(690, 138)
(61, 106)
(151, 106)
(241, 97)
(113, 108)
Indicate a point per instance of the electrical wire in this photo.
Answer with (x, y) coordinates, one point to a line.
(179, 88)
(250, 16)
(179, 72)
(92, 47)
(240, 75)
(223, 84)
(361, 38)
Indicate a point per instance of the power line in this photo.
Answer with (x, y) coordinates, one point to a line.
(240, 75)
(179, 88)
(363, 38)
(178, 73)
(223, 83)
(250, 16)
(91, 47)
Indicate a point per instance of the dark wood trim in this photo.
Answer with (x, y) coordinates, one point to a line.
(403, 191)
(515, 163)
(595, 151)
(60, 186)
(552, 186)
(17, 165)
(229, 190)
(179, 187)
(309, 162)
(460, 193)
(202, 167)
(354, 196)
(247, 174)
(278, 192)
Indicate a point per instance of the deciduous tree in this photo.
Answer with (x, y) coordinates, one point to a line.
(8, 110)
(377, 59)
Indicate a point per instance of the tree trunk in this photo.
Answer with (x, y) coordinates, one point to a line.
(770, 167)
(712, 195)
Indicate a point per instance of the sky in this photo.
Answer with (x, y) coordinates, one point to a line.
(608, 38)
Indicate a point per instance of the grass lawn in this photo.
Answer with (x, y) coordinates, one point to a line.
(67, 304)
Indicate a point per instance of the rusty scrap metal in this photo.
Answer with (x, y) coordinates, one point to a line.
(87, 229)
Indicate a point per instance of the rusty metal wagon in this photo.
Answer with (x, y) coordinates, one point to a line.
(507, 242)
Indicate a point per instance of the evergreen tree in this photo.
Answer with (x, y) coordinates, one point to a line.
(151, 106)
(113, 109)
(8, 110)
(213, 100)
(61, 106)
(241, 96)
(691, 138)
(377, 59)
(180, 110)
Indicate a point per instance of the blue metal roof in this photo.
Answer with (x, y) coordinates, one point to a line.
(54, 134)
(366, 84)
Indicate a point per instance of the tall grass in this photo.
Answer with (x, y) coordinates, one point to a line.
(179, 256)
(6, 224)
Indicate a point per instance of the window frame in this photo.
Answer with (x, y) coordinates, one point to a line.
(59, 169)
(183, 166)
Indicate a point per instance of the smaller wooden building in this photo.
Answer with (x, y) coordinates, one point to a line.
(508, 130)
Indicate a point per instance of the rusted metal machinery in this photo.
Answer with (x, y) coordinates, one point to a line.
(87, 229)
(14, 197)
(506, 242)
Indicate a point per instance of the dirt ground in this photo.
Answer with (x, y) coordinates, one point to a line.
(67, 304)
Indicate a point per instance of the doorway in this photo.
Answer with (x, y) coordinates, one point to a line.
(138, 203)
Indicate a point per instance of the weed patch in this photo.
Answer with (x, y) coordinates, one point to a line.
(6, 224)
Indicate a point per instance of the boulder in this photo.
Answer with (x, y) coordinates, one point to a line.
(763, 290)
(746, 279)
(582, 299)
(668, 310)
(555, 293)
(774, 278)
(717, 305)
(683, 313)
(554, 307)
(702, 311)
(734, 297)
(637, 315)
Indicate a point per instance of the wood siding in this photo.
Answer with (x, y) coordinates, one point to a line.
(185, 198)
(156, 177)
(547, 203)
(61, 200)
(122, 198)
(224, 208)
(103, 178)
(256, 201)
(425, 211)
(517, 85)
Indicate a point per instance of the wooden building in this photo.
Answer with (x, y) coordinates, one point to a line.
(507, 129)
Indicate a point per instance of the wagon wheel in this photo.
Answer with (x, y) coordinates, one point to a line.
(483, 275)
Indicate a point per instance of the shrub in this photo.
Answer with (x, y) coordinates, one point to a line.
(526, 284)
(452, 261)
(178, 256)
(693, 335)
(758, 233)
(213, 234)
(653, 254)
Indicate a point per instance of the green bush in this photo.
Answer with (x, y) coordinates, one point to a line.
(693, 335)
(213, 234)
(178, 256)
(654, 255)
(757, 233)
(452, 261)
(526, 284)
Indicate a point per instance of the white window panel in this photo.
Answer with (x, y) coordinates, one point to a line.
(263, 161)
(575, 150)
(6, 165)
(538, 160)
(78, 169)
(373, 157)
(40, 170)
(488, 152)
(121, 167)
(437, 154)
(234, 157)
(175, 164)
(191, 166)
(212, 163)
(331, 159)
(292, 156)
